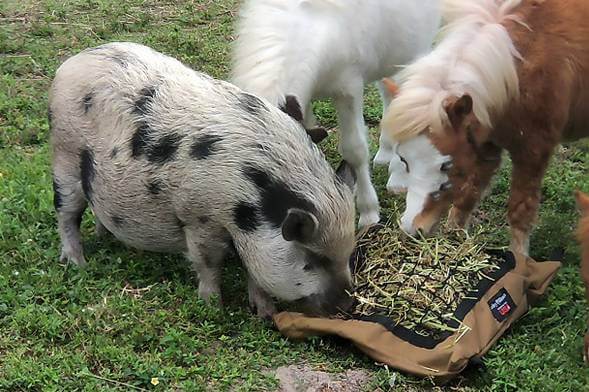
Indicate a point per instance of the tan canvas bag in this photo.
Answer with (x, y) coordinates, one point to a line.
(499, 303)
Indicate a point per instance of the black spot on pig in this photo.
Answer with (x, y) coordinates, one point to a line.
(246, 216)
(57, 196)
(144, 99)
(143, 134)
(87, 102)
(117, 220)
(257, 176)
(251, 103)
(277, 197)
(140, 139)
(114, 152)
(155, 187)
(165, 149)
(204, 146)
(87, 172)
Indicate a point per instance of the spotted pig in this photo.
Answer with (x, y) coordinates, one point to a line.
(172, 160)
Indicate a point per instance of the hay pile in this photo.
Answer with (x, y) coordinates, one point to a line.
(419, 283)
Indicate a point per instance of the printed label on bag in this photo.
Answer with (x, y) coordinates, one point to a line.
(501, 305)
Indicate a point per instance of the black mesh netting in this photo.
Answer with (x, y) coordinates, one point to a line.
(420, 284)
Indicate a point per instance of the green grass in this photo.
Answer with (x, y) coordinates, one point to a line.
(67, 329)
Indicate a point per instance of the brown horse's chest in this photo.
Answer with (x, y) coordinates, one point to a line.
(578, 125)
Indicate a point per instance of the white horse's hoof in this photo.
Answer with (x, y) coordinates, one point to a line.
(397, 190)
(368, 219)
(382, 158)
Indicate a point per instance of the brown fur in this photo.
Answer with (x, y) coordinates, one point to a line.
(554, 81)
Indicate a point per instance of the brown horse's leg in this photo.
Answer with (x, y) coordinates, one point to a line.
(529, 167)
(467, 199)
(585, 276)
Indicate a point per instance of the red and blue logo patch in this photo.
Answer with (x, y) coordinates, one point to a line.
(501, 305)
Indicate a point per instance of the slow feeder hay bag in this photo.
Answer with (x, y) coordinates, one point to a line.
(429, 306)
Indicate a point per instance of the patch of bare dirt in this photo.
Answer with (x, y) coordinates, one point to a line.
(302, 378)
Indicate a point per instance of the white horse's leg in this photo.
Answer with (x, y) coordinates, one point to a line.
(353, 147)
(386, 149)
(385, 95)
(309, 119)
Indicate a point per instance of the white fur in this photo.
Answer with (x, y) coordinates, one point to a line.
(475, 56)
(424, 176)
(331, 48)
(191, 105)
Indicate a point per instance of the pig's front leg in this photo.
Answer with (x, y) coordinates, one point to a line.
(206, 251)
(260, 302)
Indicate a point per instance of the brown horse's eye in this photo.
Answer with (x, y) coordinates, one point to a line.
(405, 162)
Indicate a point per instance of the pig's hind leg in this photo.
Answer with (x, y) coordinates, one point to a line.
(69, 203)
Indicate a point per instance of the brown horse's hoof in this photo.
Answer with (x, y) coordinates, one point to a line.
(457, 219)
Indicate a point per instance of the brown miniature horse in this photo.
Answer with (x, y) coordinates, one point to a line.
(583, 237)
(506, 75)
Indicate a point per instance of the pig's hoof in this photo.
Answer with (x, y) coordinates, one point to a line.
(76, 259)
(265, 311)
(263, 306)
(209, 294)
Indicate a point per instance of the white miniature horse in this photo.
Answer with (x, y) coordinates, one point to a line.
(292, 51)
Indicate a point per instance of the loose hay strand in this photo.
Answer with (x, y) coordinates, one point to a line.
(419, 282)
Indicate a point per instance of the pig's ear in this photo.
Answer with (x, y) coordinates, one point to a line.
(292, 107)
(299, 225)
(317, 134)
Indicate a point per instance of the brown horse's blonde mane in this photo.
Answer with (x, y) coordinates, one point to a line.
(475, 55)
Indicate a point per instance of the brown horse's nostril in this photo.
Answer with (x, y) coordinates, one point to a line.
(446, 186)
(446, 166)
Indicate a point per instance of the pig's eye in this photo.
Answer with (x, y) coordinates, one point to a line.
(308, 267)
(405, 163)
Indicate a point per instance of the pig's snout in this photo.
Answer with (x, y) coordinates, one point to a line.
(335, 300)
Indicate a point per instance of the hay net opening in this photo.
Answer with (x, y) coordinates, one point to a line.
(419, 284)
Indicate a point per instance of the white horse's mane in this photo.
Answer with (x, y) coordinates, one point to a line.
(475, 55)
